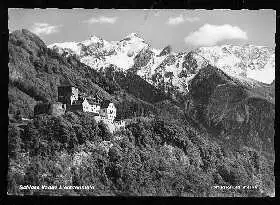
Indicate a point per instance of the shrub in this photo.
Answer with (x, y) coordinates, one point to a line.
(104, 132)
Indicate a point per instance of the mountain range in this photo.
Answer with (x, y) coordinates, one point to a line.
(170, 70)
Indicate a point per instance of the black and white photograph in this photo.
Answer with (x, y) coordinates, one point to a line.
(141, 102)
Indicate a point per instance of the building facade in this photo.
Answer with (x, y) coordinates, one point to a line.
(69, 99)
(108, 110)
(91, 106)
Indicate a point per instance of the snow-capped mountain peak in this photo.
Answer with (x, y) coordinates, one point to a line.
(66, 47)
(255, 62)
(168, 69)
(92, 40)
(134, 36)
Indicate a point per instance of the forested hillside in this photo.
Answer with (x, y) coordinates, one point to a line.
(149, 158)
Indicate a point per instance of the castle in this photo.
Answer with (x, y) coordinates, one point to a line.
(69, 99)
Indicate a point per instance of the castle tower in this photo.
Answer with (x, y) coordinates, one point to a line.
(67, 94)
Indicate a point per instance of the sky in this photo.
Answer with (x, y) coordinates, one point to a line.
(181, 29)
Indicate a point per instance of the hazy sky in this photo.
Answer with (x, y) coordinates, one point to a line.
(182, 29)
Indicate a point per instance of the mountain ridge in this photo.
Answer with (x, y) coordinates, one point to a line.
(180, 67)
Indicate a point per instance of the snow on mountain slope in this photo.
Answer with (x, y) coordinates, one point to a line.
(127, 50)
(71, 47)
(256, 62)
(169, 70)
(99, 53)
(265, 75)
